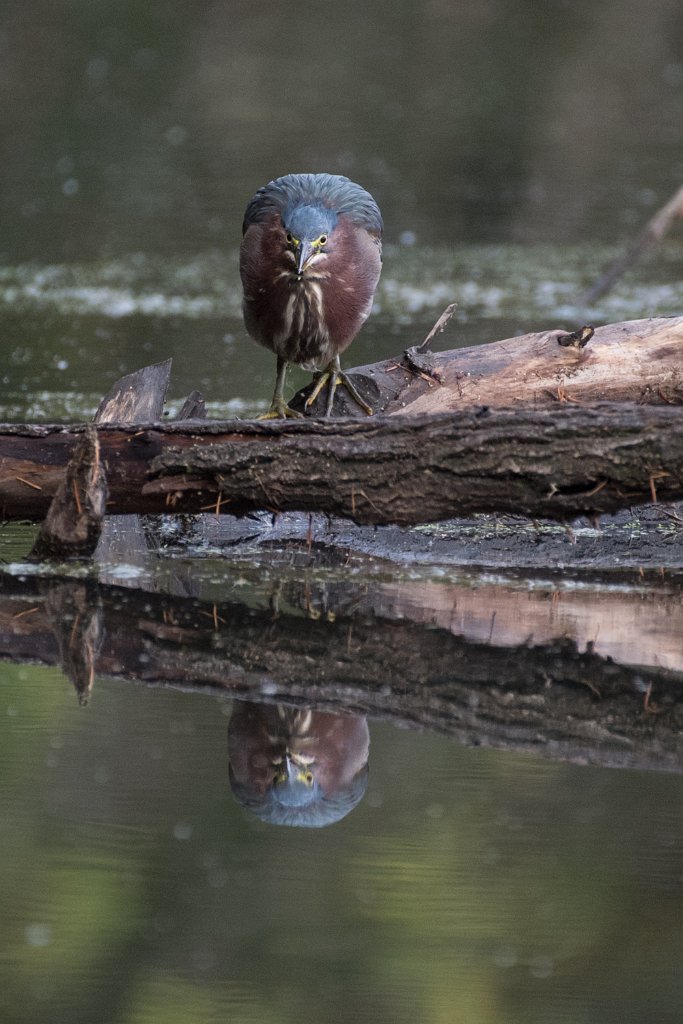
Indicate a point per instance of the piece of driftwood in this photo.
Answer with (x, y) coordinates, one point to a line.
(651, 235)
(543, 455)
(138, 397)
(548, 697)
(193, 408)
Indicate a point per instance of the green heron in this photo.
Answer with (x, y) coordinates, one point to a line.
(297, 766)
(310, 261)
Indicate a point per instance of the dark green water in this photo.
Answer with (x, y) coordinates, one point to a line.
(469, 884)
(513, 148)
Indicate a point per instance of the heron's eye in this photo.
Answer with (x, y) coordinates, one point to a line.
(309, 777)
(290, 238)
(322, 240)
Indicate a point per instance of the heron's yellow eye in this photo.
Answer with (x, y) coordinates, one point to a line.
(309, 777)
(322, 240)
(290, 238)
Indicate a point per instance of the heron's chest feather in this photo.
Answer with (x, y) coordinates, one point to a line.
(303, 331)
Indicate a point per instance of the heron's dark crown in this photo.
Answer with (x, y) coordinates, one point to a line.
(330, 195)
(309, 222)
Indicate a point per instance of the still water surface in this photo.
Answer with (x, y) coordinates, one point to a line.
(513, 147)
(468, 884)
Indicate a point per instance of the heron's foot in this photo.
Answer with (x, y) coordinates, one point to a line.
(333, 377)
(279, 410)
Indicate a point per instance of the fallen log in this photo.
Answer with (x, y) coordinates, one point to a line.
(403, 470)
(497, 428)
(411, 470)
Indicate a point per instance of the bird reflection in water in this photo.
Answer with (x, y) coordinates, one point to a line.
(297, 766)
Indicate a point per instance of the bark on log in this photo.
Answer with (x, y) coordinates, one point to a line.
(403, 470)
(546, 698)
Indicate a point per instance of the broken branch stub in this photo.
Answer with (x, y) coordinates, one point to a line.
(74, 520)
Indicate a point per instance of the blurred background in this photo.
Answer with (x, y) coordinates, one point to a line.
(511, 145)
(145, 127)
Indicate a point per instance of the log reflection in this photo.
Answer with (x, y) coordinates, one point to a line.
(381, 654)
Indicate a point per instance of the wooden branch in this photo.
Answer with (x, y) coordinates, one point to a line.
(546, 698)
(651, 235)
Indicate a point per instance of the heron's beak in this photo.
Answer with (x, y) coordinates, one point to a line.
(295, 772)
(306, 251)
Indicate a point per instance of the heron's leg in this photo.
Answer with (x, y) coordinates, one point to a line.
(279, 410)
(333, 376)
